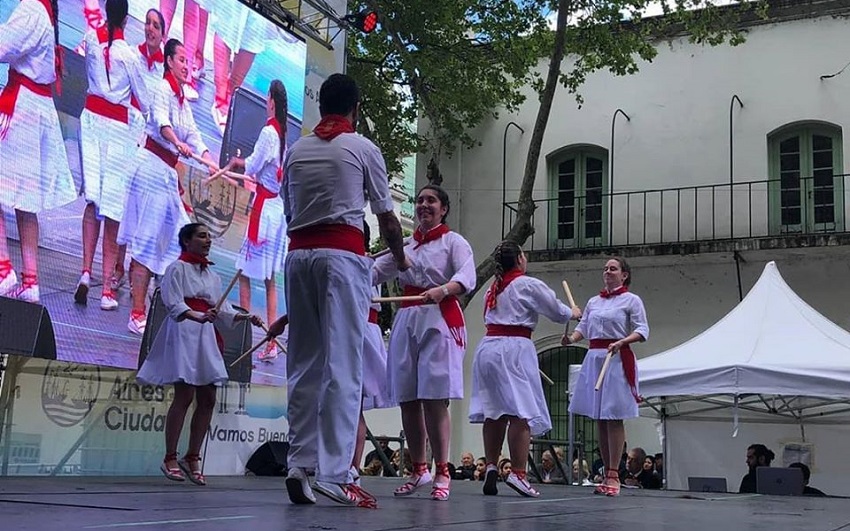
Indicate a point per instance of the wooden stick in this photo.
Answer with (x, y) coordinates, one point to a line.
(227, 291)
(276, 340)
(604, 370)
(545, 377)
(250, 351)
(217, 174)
(214, 166)
(406, 298)
(569, 294)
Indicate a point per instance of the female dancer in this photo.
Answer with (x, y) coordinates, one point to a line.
(612, 321)
(187, 350)
(34, 169)
(429, 337)
(195, 18)
(264, 249)
(154, 212)
(151, 61)
(106, 144)
(506, 389)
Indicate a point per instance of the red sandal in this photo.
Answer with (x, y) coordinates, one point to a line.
(442, 482)
(174, 474)
(612, 478)
(188, 463)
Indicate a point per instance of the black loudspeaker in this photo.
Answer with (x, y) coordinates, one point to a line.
(269, 459)
(236, 340)
(26, 330)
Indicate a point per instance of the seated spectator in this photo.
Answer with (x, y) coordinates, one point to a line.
(807, 474)
(581, 476)
(466, 470)
(504, 469)
(636, 474)
(375, 468)
(480, 468)
(373, 455)
(549, 471)
(407, 471)
(757, 455)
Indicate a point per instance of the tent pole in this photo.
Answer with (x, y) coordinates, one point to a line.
(664, 449)
(738, 260)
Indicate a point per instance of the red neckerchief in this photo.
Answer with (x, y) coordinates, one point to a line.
(157, 56)
(605, 294)
(434, 234)
(58, 62)
(194, 258)
(279, 130)
(499, 286)
(175, 86)
(103, 38)
(331, 126)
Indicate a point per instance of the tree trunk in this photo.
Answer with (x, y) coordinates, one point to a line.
(522, 228)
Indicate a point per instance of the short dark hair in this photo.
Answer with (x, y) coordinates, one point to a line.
(760, 450)
(186, 233)
(338, 95)
(807, 473)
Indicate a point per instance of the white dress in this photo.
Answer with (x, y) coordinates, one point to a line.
(34, 169)
(425, 362)
(183, 350)
(154, 212)
(151, 76)
(505, 371)
(375, 393)
(107, 143)
(612, 318)
(263, 259)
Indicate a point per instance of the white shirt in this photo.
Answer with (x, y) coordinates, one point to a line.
(330, 182)
(167, 111)
(125, 77)
(613, 318)
(443, 260)
(522, 303)
(265, 160)
(27, 42)
(151, 78)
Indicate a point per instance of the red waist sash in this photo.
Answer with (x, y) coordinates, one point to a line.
(449, 308)
(499, 330)
(328, 236)
(9, 97)
(167, 156)
(202, 305)
(256, 211)
(107, 109)
(373, 316)
(629, 363)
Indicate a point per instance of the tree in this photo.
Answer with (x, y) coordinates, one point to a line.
(454, 63)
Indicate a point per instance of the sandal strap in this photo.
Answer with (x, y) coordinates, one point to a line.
(170, 457)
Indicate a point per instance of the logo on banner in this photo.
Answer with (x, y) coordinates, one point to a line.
(69, 392)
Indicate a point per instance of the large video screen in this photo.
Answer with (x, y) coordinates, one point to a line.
(233, 55)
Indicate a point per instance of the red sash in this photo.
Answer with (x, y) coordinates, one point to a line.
(629, 363)
(449, 308)
(170, 158)
(9, 97)
(373, 316)
(202, 305)
(499, 330)
(256, 212)
(328, 236)
(107, 109)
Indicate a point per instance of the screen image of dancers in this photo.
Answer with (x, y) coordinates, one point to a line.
(187, 350)
(151, 61)
(114, 76)
(428, 338)
(612, 321)
(330, 176)
(154, 211)
(34, 171)
(262, 254)
(507, 394)
(195, 20)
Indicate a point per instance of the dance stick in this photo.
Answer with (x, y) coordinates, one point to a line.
(569, 294)
(604, 370)
(227, 291)
(276, 341)
(386, 251)
(250, 351)
(406, 298)
(548, 380)
(214, 166)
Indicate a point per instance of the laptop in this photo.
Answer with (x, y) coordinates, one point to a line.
(779, 481)
(717, 485)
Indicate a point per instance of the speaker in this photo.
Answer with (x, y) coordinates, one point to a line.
(269, 459)
(26, 330)
(236, 340)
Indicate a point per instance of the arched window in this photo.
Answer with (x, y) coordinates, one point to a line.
(579, 180)
(807, 185)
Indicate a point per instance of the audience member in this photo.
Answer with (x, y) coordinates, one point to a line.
(637, 475)
(807, 474)
(757, 455)
(466, 470)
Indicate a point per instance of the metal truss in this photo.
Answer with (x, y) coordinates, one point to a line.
(312, 18)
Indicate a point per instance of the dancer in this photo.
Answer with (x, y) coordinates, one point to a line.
(34, 169)
(329, 176)
(195, 19)
(94, 20)
(612, 321)
(428, 338)
(506, 389)
(106, 142)
(187, 351)
(262, 254)
(151, 61)
(154, 212)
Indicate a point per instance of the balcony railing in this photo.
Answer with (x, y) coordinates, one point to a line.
(792, 207)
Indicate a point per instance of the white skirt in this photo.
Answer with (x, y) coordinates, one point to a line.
(34, 167)
(375, 393)
(506, 381)
(153, 215)
(106, 146)
(183, 352)
(424, 361)
(614, 400)
(265, 259)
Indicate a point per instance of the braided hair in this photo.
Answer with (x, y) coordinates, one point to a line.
(59, 63)
(506, 256)
(281, 110)
(116, 14)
